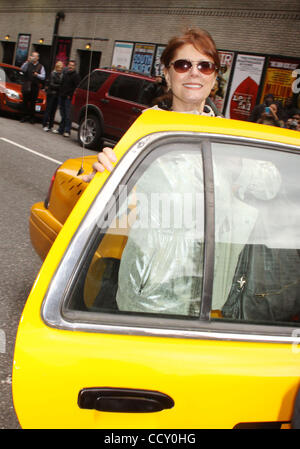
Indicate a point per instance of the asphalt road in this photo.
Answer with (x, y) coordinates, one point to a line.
(29, 157)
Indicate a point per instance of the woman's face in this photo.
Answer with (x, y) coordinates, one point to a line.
(190, 89)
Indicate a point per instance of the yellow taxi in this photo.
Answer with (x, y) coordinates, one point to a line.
(170, 297)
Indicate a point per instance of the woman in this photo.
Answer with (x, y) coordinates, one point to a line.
(191, 63)
(271, 117)
(150, 278)
(52, 96)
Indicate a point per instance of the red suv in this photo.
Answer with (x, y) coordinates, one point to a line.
(106, 104)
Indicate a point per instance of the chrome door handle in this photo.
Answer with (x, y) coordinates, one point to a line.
(123, 400)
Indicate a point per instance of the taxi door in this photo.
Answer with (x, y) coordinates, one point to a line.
(89, 354)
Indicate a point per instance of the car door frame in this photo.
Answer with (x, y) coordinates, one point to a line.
(205, 327)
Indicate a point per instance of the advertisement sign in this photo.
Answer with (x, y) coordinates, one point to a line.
(122, 55)
(244, 86)
(63, 49)
(218, 93)
(143, 58)
(158, 68)
(22, 49)
(279, 78)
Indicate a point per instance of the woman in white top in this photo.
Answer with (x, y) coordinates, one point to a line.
(191, 63)
(151, 278)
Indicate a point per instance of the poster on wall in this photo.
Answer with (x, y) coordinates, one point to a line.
(244, 86)
(143, 58)
(279, 78)
(63, 49)
(22, 49)
(122, 55)
(158, 68)
(219, 90)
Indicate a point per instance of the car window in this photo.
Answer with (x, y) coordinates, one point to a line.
(257, 235)
(97, 78)
(11, 75)
(2, 75)
(150, 91)
(126, 88)
(148, 253)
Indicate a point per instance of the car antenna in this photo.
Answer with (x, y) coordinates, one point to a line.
(81, 170)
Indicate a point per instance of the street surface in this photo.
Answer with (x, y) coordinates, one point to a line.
(29, 157)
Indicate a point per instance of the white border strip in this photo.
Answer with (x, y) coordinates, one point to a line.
(30, 151)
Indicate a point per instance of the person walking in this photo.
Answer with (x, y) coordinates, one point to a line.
(69, 83)
(53, 89)
(34, 75)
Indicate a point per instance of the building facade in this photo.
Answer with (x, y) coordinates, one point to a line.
(88, 31)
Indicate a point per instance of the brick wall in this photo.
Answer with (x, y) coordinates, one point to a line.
(270, 27)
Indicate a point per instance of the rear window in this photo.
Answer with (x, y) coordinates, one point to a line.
(97, 79)
(127, 88)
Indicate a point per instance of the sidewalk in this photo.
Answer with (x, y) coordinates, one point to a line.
(57, 121)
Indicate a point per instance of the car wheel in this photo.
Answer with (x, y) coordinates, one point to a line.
(89, 132)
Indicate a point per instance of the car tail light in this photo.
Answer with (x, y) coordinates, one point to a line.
(46, 202)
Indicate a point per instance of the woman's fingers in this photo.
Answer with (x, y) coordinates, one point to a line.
(109, 152)
(105, 160)
(89, 177)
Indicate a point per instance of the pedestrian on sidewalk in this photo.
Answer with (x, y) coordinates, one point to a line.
(69, 83)
(34, 75)
(53, 90)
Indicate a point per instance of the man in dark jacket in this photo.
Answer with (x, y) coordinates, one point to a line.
(69, 83)
(34, 75)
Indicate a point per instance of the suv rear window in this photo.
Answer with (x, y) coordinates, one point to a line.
(97, 78)
(127, 88)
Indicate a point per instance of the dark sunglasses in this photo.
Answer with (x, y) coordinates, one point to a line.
(183, 66)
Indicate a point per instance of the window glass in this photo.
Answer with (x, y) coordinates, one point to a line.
(97, 78)
(150, 91)
(126, 87)
(148, 255)
(10, 75)
(2, 75)
(257, 235)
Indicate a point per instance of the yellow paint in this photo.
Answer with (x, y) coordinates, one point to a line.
(214, 383)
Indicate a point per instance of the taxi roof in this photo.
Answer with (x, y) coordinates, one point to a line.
(153, 121)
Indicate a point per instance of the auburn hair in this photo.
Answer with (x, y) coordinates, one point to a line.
(200, 39)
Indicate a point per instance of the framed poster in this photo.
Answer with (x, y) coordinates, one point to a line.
(122, 55)
(63, 50)
(143, 58)
(219, 91)
(245, 83)
(22, 49)
(158, 68)
(279, 78)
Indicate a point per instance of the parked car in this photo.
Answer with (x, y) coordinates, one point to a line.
(107, 102)
(145, 313)
(11, 80)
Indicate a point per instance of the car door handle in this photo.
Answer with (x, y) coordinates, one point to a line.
(123, 400)
(137, 110)
(104, 100)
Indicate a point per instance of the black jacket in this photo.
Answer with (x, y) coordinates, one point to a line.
(69, 83)
(54, 83)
